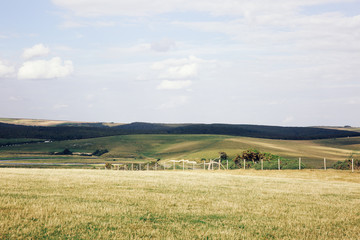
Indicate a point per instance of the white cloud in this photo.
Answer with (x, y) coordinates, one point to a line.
(43, 69)
(189, 70)
(6, 70)
(183, 68)
(166, 84)
(38, 50)
(163, 45)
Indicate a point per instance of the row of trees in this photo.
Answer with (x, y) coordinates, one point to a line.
(252, 157)
(66, 151)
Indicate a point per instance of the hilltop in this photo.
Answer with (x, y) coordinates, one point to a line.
(64, 130)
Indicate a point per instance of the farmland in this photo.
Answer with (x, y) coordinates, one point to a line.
(148, 147)
(93, 204)
(56, 196)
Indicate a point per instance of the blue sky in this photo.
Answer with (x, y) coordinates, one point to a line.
(291, 63)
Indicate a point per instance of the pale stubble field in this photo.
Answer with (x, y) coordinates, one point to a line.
(99, 204)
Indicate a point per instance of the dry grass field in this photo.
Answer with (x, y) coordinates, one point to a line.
(45, 123)
(99, 204)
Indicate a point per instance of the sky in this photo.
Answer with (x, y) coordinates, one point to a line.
(279, 62)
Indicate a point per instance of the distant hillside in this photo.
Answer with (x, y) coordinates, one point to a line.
(53, 123)
(91, 130)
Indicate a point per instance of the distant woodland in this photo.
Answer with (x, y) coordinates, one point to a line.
(93, 130)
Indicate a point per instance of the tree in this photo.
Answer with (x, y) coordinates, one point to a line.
(238, 160)
(66, 151)
(100, 152)
(108, 165)
(252, 155)
(223, 156)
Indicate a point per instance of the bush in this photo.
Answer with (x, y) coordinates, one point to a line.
(223, 155)
(252, 155)
(64, 152)
(108, 165)
(346, 165)
(270, 161)
(100, 152)
(232, 164)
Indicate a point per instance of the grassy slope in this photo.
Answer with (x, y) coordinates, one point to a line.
(48, 123)
(85, 204)
(31, 122)
(196, 147)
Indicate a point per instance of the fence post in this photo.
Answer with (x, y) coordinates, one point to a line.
(244, 164)
(300, 163)
(262, 164)
(174, 165)
(155, 166)
(278, 163)
(147, 167)
(204, 165)
(219, 163)
(352, 165)
(227, 164)
(324, 163)
(183, 165)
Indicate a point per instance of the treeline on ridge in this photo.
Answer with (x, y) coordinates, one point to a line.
(63, 132)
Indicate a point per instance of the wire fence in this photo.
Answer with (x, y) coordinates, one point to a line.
(216, 164)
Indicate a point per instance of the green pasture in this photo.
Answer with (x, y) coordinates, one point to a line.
(105, 204)
(4, 141)
(191, 147)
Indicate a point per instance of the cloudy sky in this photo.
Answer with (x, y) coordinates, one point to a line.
(279, 62)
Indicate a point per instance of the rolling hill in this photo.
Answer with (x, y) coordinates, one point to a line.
(65, 131)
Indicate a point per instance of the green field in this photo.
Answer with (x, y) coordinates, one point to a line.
(99, 204)
(191, 147)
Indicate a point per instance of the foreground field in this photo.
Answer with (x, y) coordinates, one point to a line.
(92, 204)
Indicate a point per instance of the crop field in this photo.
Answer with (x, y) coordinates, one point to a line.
(191, 147)
(93, 204)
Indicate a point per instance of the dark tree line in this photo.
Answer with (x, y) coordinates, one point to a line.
(62, 132)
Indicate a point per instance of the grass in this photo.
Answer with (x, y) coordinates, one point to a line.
(31, 122)
(4, 141)
(192, 147)
(94, 204)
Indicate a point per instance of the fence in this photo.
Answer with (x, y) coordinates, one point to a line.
(215, 164)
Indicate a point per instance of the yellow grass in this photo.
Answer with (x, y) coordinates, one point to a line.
(45, 123)
(31, 122)
(99, 204)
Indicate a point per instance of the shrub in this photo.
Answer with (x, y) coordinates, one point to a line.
(346, 165)
(232, 164)
(270, 161)
(223, 155)
(100, 152)
(64, 152)
(252, 155)
(108, 165)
